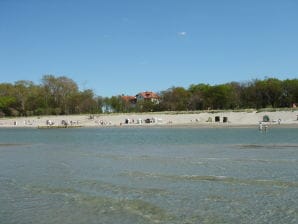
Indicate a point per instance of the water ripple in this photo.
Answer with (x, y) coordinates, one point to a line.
(12, 144)
(108, 205)
(265, 146)
(100, 186)
(223, 179)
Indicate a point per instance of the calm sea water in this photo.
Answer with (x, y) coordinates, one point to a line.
(148, 175)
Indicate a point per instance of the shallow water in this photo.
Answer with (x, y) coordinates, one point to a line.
(148, 175)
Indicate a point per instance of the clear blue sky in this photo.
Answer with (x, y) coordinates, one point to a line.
(127, 46)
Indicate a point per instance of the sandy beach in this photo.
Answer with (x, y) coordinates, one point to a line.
(198, 119)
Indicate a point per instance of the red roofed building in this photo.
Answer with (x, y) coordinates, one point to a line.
(129, 99)
(149, 96)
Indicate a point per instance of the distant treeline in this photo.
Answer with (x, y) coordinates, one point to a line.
(61, 95)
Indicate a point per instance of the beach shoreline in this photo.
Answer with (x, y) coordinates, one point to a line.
(199, 119)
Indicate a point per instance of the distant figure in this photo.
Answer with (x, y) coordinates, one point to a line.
(279, 120)
(64, 123)
(260, 126)
(263, 127)
(49, 122)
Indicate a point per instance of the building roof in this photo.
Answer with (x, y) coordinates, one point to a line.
(148, 95)
(128, 98)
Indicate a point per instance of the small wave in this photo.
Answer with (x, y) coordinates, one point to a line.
(99, 186)
(107, 156)
(268, 160)
(8, 182)
(137, 208)
(173, 177)
(49, 190)
(223, 179)
(12, 144)
(267, 146)
(103, 205)
(216, 158)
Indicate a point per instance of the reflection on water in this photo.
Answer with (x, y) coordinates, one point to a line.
(155, 175)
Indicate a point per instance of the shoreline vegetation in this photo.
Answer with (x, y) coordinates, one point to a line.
(216, 118)
(57, 102)
(62, 96)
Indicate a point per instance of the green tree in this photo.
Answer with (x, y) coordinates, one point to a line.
(100, 103)
(221, 96)
(58, 92)
(83, 102)
(248, 95)
(199, 96)
(175, 99)
(5, 104)
(146, 106)
(8, 102)
(23, 89)
(115, 104)
(268, 92)
(290, 92)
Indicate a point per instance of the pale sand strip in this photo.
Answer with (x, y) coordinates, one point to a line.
(203, 119)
